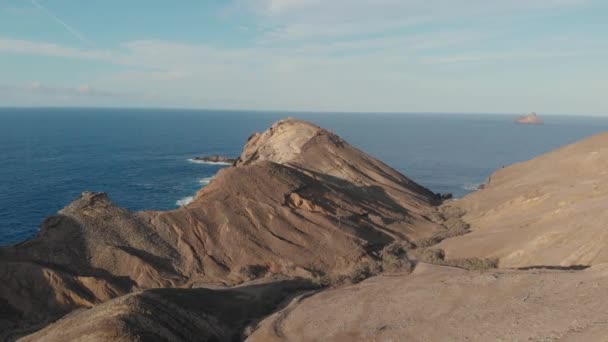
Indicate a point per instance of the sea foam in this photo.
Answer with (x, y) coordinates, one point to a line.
(205, 181)
(472, 186)
(208, 162)
(184, 201)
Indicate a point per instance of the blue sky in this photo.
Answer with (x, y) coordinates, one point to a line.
(507, 56)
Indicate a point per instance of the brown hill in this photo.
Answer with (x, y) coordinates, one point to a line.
(437, 303)
(173, 315)
(550, 210)
(300, 202)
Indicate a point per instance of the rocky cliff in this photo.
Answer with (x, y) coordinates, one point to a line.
(276, 247)
(300, 202)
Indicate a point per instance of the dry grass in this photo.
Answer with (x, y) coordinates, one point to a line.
(446, 234)
(436, 256)
(448, 212)
(472, 264)
(394, 257)
(451, 218)
(364, 269)
(430, 255)
(251, 272)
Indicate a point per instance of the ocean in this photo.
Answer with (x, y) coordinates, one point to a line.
(141, 157)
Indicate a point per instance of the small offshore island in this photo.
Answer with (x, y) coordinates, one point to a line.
(530, 119)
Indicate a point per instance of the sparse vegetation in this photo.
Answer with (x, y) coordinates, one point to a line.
(473, 264)
(394, 257)
(364, 269)
(320, 278)
(430, 255)
(437, 238)
(456, 224)
(436, 256)
(251, 272)
(451, 218)
(448, 212)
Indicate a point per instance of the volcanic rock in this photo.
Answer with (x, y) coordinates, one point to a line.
(300, 202)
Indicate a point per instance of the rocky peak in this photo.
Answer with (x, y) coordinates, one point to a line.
(281, 143)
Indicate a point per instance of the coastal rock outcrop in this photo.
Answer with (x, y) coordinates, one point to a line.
(300, 202)
(288, 243)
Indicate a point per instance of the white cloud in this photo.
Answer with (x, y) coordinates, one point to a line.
(39, 88)
(295, 20)
(396, 73)
(20, 46)
(511, 56)
(330, 55)
(279, 6)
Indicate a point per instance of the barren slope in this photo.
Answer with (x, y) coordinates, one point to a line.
(172, 315)
(551, 210)
(300, 202)
(437, 303)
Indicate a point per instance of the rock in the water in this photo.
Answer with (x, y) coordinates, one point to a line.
(530, 119)
(444, 196)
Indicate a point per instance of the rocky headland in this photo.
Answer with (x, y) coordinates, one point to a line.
(308, 238)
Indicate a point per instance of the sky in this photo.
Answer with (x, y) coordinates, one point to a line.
(464, 56)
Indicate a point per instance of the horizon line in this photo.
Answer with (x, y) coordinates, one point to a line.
(296, 111)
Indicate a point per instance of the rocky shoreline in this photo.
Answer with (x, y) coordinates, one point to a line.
(306, 237)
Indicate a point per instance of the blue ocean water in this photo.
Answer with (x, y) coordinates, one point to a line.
(140, 157)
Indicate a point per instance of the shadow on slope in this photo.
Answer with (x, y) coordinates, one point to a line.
(200, 314)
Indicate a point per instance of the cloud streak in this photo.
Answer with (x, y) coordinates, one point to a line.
(300, 20)
(61, 22)
(37, 87)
